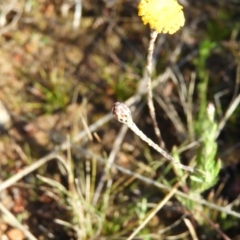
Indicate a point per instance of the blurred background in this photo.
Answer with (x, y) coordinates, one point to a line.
(63, 64)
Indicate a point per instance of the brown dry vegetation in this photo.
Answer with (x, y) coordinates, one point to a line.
(57, 83)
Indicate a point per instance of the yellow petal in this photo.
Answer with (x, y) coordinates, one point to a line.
(162, 15)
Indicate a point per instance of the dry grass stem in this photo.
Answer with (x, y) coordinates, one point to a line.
(12, 220)
(153, 212)
(112, 155)
(233, 105)
(159, 185)
(30, 169)
(123, 114)
(149, 82)
(190, 228)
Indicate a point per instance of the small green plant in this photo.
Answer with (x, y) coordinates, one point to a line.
(207, 166)
(50, 93)
(205, 128)
(56, 91)
(206, 162)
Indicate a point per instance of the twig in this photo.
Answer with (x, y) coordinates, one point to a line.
(171, 226)
(190, 228)
(149, 81)
(12, 220)
(77, 14)
(233, 105)
(215, 226)
(172, 114)
(123, 114)
(30, 169)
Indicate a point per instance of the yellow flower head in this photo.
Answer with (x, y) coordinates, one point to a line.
(162, 15)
